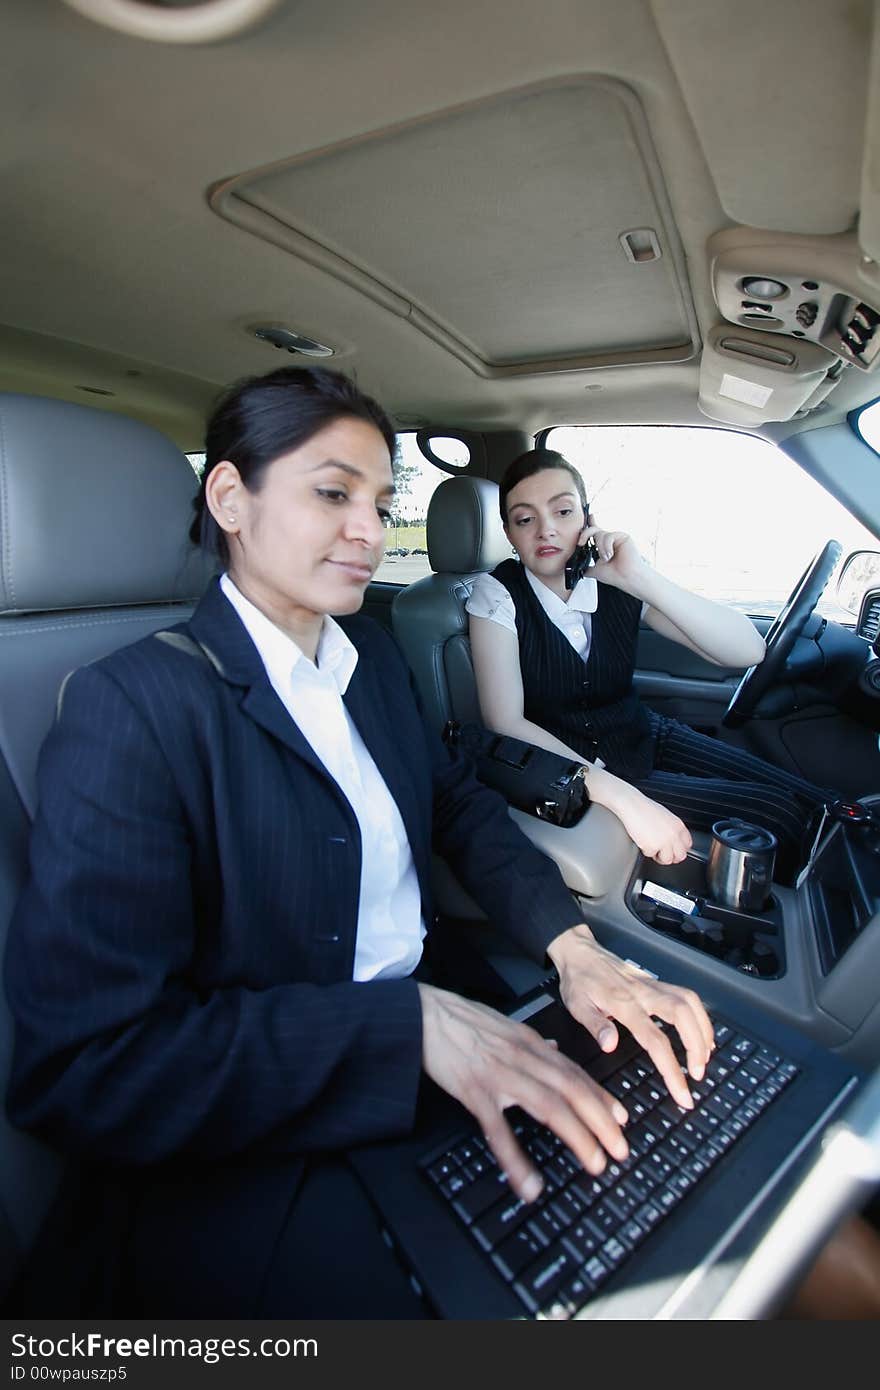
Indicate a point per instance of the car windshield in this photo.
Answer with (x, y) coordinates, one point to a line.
(723, 513)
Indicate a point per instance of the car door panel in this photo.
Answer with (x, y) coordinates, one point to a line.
(677, 682)
(815, 741)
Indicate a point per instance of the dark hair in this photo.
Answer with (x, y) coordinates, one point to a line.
(530, 463)
(262, 417)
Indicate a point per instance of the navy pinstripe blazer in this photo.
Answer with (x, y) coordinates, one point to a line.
(179, 966)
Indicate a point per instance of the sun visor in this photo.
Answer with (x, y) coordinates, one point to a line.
(749, 378)
(531, 233)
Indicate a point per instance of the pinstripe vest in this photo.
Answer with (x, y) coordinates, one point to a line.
(590, 706)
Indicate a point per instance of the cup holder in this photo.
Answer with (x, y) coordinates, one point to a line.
(672, 898)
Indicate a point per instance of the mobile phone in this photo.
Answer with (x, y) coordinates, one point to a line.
(578, 565)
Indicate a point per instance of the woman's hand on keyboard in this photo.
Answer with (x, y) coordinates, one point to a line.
(488, 1062)
(598, 987)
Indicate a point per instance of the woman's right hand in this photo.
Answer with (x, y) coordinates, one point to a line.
(658, 832)
(488, 1062)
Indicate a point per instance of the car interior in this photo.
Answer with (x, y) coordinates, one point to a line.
(650, 231)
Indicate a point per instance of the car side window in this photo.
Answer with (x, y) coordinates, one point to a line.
(406, 548)
(868, 425)
(723, 514)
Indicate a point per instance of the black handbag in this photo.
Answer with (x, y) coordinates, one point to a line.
(544, 784)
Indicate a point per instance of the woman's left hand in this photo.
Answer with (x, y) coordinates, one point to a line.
(598, 987)
(619, 563)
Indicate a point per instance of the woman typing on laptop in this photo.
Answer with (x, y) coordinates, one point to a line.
(217, 968)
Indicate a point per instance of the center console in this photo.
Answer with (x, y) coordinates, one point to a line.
(839, 886)
(843, 885)
(810, 957)
(675, 899)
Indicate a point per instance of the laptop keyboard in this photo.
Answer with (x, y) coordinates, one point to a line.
(557, 1252)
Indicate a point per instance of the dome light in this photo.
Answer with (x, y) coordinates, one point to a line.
(761, 288)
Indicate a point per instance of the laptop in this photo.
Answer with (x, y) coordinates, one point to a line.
(669, 1233)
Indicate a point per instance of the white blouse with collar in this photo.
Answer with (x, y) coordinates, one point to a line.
(390, 929)
(490, 599)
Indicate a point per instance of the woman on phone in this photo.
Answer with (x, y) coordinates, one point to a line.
(554, 666)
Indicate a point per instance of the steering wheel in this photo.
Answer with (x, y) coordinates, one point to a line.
(787, 626)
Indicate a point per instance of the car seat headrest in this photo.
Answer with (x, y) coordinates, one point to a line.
(94, 510)
(464, 527)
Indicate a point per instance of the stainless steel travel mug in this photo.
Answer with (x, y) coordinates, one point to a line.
(740, 868)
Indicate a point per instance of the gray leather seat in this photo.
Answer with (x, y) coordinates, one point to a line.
(465, 538)
(94, 554)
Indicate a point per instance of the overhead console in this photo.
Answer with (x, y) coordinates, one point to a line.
(809, 287)
(798, 311)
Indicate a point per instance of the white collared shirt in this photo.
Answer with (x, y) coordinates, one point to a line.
(490, 599)
(390, 929)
